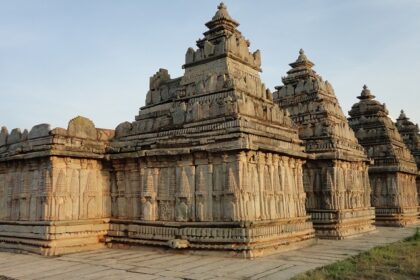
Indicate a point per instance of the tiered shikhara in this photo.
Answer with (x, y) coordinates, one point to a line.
(393, 174)
(211, 163)
(336, 178)
(410, 134)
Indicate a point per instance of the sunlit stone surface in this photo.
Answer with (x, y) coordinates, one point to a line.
(336, 177)
(410, 134)
(393, 175)
(211, 164)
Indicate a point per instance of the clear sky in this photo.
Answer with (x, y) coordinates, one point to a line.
(63, 58)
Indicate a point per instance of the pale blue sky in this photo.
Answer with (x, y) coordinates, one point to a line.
(59, 59)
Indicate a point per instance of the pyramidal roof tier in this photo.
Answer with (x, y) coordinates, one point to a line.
(404, 122)
(223, 39)
(368, 105)
(378, 134)
(313, 106)
(301, 68)
(219, 102)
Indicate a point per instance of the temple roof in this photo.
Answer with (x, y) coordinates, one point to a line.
(402, 116)
(223, 39)
(301, 69)
(222, 19)
(222, 13)
(368, 105)
(302, 61)
(365, 94)
(404, 123)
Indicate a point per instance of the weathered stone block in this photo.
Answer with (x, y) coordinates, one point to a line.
(40, 130)
(82, 127)
(394, 172)
(3, 136)
(15, 136)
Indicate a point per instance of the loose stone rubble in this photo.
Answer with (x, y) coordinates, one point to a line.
(211, 164)
(336, 180)
(393, 175)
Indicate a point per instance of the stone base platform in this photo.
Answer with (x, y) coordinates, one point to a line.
(233, 239)
(51, 238)
(147, 263)
(396, 217)
(339, 224)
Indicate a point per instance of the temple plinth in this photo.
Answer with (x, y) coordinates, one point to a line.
(336, 178)
(393, 174)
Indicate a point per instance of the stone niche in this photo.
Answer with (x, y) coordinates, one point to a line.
(211, 163)
(410, 134)
(393, 174)
(54, 189)
(336, 175)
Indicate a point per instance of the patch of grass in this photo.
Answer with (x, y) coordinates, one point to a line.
(400, 260)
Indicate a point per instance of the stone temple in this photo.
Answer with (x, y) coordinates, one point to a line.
(393, 174)
(336, 178)
(410, 134)
(211, 164)
(210, 161)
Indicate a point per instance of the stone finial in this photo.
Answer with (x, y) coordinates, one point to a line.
(222, 12)
(302, 56)
(402, 115)
(221, 15)
(365, 94)
(82, 127)
(302, 60)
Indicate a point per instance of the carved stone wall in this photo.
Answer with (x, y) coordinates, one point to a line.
(208, 187)
(200, 193)
(54, 189)
(393, 175)
(336, 178)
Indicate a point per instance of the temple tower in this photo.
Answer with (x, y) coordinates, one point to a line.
(336, 177)
(220, 163)
(410, 134)
(393, 174)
